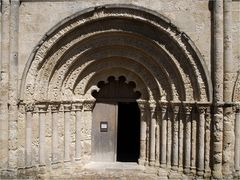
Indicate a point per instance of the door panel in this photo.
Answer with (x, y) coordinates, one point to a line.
(104, 132)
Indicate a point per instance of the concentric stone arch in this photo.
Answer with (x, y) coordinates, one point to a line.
(174, 52)
(117, 41)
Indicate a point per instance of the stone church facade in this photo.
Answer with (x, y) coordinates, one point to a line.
(152, 82)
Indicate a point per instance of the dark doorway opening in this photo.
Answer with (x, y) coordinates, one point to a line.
(128, 136)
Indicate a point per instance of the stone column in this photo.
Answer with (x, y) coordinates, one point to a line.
(175, 108)
(237, 141)
(67, 117)
(157, 144)
(218, 88)
(42, 118)
(201, 139)
(163, 153)
(143, 126)
(28, 154)
(187, 138)
(55, 136)
(78, 107)
(193, 140)
(152, 105)
(180, 142)
(228, 89)
(169, 140)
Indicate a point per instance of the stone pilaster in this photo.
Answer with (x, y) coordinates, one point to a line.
(4, 83)
(13, 83)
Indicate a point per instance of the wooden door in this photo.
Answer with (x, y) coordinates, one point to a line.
(104, 132)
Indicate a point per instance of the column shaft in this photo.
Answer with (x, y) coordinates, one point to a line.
(175, 138)
(218, 88)
(42, 119)
(143, 136)
(28, 149)
(163, 135)
(152, 138)
(187, 139)
(67, 117)
(55, 135)
(201, 138)
(79, 114)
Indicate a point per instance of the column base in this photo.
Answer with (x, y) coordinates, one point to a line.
(141, 162)
(152, 163)
(186, 170)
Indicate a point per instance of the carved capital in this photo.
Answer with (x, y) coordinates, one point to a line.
(88, 105)
(201, 109)
(77, 106)
(142, 105)
(175, 108)
(187, 109)
(237, 108)
(29, 108)
(54, 107)
(42, 108)
(152, 105)
(164, 106)
(67, 107)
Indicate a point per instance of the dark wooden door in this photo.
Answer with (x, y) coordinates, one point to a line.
(104, 141)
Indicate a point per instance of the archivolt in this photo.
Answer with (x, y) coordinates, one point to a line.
(127, 38)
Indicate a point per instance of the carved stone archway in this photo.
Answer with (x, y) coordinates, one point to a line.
(118, 40)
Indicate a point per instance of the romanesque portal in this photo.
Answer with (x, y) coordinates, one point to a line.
(91, 71)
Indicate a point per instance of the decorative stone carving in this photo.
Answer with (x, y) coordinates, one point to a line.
(29, 108)
(88, 105)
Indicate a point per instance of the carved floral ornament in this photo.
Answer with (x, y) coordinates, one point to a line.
(65, 73)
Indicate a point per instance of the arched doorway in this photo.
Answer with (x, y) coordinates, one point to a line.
(116, 121)
(119, 40)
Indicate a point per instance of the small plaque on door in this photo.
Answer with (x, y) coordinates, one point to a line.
(103, 126)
